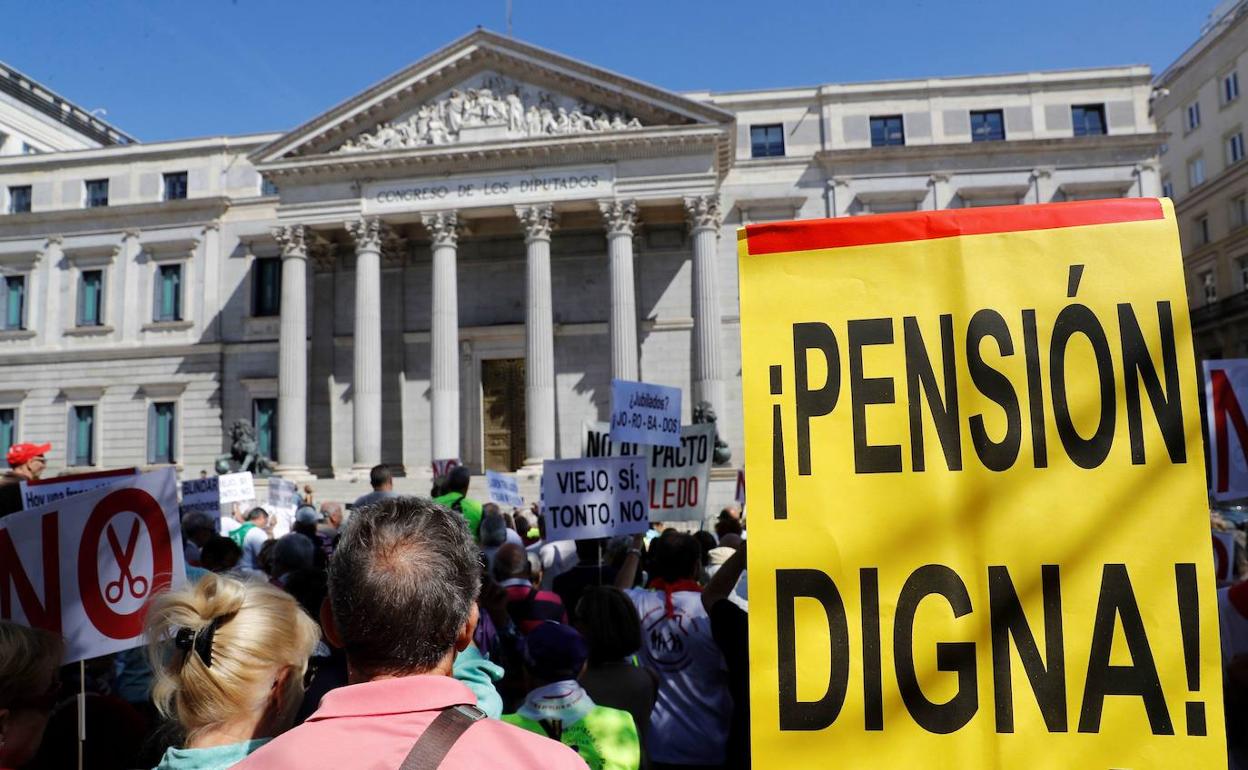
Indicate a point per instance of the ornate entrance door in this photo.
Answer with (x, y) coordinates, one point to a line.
(502, 406)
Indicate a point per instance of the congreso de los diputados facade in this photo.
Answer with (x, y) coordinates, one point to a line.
(456, 262)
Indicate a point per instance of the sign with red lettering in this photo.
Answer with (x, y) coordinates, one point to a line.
(85, 566)
(678, 475)
(1226, 396)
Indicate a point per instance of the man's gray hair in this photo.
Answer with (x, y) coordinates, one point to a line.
(402, 583)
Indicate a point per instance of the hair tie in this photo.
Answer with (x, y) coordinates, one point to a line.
(187, 639)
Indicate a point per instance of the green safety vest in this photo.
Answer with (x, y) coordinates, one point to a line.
(239, 534)
(466, 506)
(606, 738)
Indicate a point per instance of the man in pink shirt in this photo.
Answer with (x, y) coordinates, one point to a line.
(403, 585)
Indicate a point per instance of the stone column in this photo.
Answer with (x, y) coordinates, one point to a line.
(708, 379)
(621, 219)
(292, 355)
(443, 227)
(366, 374)
(539, 335)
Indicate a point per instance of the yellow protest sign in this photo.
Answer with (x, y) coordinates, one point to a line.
(978, 523)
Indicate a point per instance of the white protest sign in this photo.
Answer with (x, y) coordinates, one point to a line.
(86, 566)
(41, 492)
(1224, 556)
(442, 467)
(282, 504)
(201, 495)
(644, 413)
(594, 497)
(504, 489)
(678, 477)
(236, 488)
(1226, 395)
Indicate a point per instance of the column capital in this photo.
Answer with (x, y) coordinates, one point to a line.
(620, 216)
(131, 232)
(293, 241)
(367, 232)
(538, 221)
(703, 212)
(443, 227)
(54, 240)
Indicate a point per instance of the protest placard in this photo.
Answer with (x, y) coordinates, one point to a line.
(201, 495)
(1226, 395)
(978, 520)
(739, 496)
(442, 467)
(594, 497)
(644, 413)
(236, 488)
(40, 492)
(678, 476)
(85, 566)
(504, 488)
(282, 498)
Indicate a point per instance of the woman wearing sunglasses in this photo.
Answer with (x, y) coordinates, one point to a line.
(29, 662)
(230, 659)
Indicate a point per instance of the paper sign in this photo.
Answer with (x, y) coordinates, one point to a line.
(594, 497)
(282, 498)
(236, 488)
(644, 413)
(42, 492)
(979, 531)
(1224, 556)
(86, 566)
(504, 489)
(1226, 397)
(678, 476)
(442, 467)
(201, 495)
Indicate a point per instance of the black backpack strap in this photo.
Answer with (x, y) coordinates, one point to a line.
(436, 741)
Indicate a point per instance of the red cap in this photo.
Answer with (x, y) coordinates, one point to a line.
(20, 454)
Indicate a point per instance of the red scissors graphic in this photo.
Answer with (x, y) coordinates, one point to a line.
(137, 584)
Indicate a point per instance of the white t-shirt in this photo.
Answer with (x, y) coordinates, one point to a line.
(689, 724)
(253, 541)
(557, 558)
(228, 524)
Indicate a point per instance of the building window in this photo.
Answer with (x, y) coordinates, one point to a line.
(266, 287)
(264, 417)
(1235, 147)
(767, 141)
(175, 186)
(1239, 211)
(267, 187)
(19, 199)
(91, 298)
(1193, 116)
(12, 302)
(168, 293)
(1202, 230)
(82, 435)
(161, 433)
(1210, 287)
(97, 193)
(29, 149)
(1230, 88)
(1088, 119)
(987, 126)
(1195, 172)
(1242, 262)
(887, 131)
(8, 428)
(1167, 188)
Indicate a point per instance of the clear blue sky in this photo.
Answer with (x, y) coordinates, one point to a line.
(167, 69)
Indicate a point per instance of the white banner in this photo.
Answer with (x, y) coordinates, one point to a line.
(236, 488)
(645, 413)
(86, 566)
(282, 504)
(504, 489)
(678, 476)
(594, 497)
(41, 492)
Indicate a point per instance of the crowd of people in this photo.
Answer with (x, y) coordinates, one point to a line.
(439, 631)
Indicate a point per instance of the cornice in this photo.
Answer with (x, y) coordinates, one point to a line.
(1199, 197)
(212, 207)
(835, 158)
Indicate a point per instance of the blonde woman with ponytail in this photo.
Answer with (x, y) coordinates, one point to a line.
(229, 657)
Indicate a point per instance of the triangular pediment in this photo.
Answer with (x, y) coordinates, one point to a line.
(486, 89)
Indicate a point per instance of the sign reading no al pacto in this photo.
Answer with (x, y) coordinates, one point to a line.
(979, 535)
(433, 193)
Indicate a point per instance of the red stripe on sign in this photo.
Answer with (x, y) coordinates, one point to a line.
(876, 229)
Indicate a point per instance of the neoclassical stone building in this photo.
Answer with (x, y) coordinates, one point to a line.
(457, 261)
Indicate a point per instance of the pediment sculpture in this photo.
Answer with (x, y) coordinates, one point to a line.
(515, 109)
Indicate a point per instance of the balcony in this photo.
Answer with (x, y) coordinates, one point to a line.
(1211, 315)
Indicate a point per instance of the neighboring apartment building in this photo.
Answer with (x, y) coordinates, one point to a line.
(457, 261)
(1198, 102)
(35, 119)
